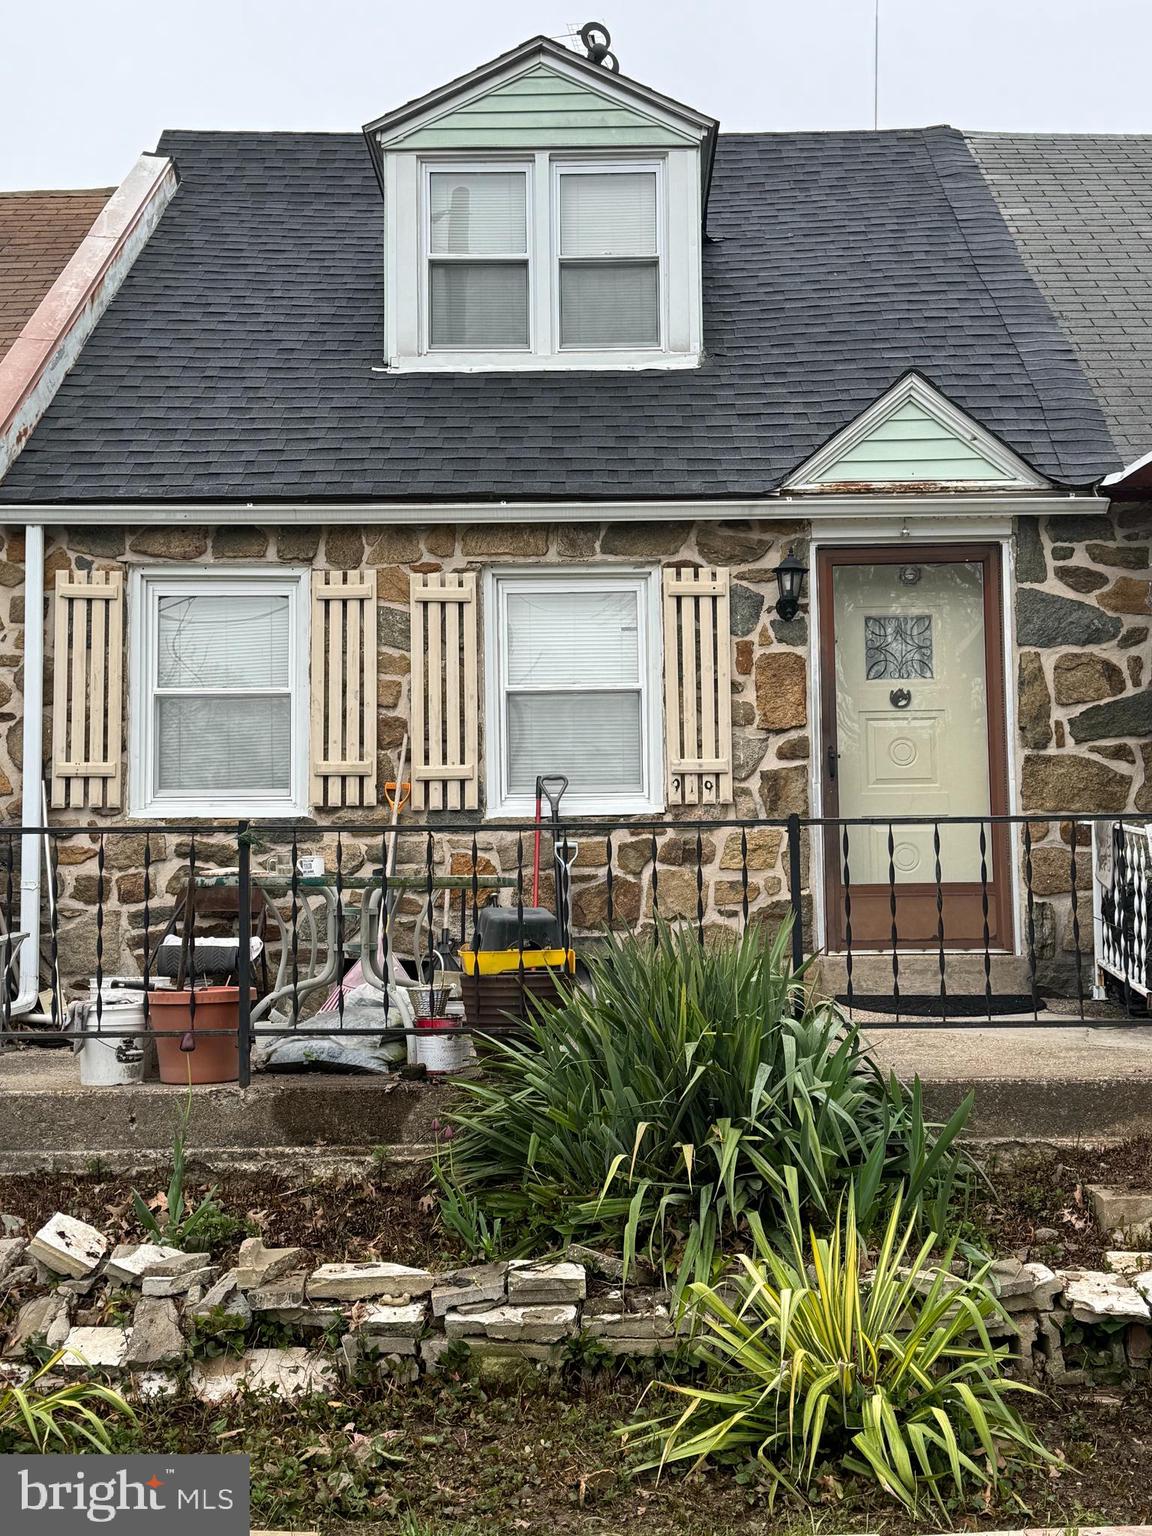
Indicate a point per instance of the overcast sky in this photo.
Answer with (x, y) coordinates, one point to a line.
(88, 84)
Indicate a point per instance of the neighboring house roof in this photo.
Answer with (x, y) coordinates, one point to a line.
(39, 231)
(1080, 208)
(242, 357)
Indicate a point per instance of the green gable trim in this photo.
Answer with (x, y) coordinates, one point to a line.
(910, 445)
(541, 109)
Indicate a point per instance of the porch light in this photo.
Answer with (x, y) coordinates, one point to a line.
(790, 574)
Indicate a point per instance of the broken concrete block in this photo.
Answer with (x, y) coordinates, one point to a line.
(1093, 1298)
(352, 1282)
(1121, 1209)
(43, 1320)
(292, 1372)
(226, 1299)
(390, 1323)
(178, 1285)
(536, 1325)
(149, 1384)
(1128, 1264)
(94, 1349)
(610, 1317)
(131, 1262)
(545, 1285)
(68, 1247)
(1030, 1287)
(290, 1292)
(156, 1337)
(478, 1286)
(11, 1253)
(258, 1266)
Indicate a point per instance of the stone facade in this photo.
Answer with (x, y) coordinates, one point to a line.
(1084, 707)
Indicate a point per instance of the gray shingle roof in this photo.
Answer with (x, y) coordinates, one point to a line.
(1080, 208)
(237, 359)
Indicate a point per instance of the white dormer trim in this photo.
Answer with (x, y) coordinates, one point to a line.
(1010, 472)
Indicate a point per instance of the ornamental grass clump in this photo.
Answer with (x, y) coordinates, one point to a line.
(815, 1365)
(655, 1112)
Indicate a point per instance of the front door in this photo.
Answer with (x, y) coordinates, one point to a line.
(913, 721)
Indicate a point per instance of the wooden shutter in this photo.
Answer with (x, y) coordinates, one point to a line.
(343, 689)
(87, 690)
(698, 686)
(445, 693)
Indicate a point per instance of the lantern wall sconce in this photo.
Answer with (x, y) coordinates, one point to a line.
(790, 574)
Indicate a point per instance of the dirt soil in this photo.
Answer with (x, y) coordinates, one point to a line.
(379, 1214)
(453, 1460)
(1042, 1191)
(386, 1212)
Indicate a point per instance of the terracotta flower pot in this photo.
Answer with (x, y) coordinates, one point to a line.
(189, 1056)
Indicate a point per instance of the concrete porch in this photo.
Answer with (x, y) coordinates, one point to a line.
(1032, 1083)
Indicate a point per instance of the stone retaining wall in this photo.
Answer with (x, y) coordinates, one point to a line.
(149, 1315)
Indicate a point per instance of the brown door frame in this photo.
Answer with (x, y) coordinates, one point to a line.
(916, 915)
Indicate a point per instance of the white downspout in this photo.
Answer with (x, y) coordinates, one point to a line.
(31, 814)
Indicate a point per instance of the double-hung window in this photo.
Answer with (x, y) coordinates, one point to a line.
(573, 688)
(608, 255)
(551, 261)
(220, 697)
(478, 291)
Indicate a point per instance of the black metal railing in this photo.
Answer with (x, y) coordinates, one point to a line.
(913, 921)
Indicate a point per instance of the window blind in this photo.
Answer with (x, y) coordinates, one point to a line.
(223, 641)
(608, 214)
(593, 738)
(222, 744)
(479, 213)
(476, 305)
(607, 305)
(572, 638)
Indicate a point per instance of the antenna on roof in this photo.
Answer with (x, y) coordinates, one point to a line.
(597, 42)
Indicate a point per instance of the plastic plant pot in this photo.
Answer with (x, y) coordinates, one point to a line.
(186, 1055)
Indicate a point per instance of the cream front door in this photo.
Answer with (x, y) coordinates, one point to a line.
(910, 717)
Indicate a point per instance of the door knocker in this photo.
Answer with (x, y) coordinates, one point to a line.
(900, 698)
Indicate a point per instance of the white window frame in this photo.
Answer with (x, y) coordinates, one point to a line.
(562, 168)
(408, 255)
(146, 588)
(428, 256)
(645, 584)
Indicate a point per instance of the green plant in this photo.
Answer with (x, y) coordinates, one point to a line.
(585, 1355)
(60, 1419)
(464, 1217)
(216, 1332)
(890, 1375)
(657, 1111)
(198, 1229)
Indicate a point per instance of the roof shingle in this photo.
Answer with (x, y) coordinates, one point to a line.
(39, 232)
(241, 357)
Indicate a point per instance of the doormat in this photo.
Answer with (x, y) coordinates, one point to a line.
(930, 1005)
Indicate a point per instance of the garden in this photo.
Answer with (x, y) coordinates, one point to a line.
(682, 1255)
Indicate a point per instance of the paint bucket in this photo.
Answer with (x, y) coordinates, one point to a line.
(107, 1062)
(440, 1046)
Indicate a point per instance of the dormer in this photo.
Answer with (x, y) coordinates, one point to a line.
(543, 212)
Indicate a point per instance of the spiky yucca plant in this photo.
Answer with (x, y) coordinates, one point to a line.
(812, 1362)
(65, 1418)
(655, 1113)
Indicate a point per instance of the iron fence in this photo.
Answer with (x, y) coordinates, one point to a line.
(913, 921)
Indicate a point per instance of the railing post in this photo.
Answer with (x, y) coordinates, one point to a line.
(795, 895)
(244, 957)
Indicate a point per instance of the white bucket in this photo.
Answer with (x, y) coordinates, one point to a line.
(106, 1062)
(445, 1049)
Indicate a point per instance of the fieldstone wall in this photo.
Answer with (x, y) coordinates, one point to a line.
(1084, 711)
(1083, 619)
(769, 712)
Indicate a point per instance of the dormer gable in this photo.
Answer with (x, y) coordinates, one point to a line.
(543, 211)
(914, 438)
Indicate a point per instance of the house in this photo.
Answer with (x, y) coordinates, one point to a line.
(492, 430)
